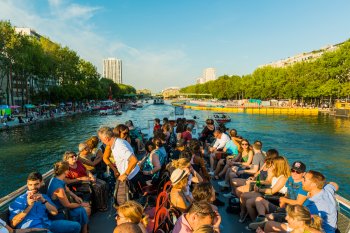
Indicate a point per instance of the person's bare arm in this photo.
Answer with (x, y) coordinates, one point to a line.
(62, 197)
(106, 155)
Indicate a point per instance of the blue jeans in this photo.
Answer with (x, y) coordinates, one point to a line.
(64, 226)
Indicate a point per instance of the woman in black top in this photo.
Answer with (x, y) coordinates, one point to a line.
(207, 135)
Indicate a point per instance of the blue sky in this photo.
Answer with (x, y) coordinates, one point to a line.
(169, 43)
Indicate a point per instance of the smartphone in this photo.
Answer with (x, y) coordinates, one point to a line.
(30, 194)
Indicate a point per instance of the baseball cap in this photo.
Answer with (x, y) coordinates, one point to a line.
(299, 166)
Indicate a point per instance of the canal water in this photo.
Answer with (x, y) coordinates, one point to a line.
(322, 142)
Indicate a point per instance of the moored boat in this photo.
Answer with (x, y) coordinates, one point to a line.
(221, 117)
(158, 101)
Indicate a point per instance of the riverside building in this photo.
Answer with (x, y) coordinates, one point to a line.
(112, 69)
(209, 74)
(302, 57)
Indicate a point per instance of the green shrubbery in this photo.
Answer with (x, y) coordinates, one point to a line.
(326, 77)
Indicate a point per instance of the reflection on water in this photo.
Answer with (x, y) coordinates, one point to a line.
(322, 142)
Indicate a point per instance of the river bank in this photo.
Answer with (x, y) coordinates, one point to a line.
(15, 123)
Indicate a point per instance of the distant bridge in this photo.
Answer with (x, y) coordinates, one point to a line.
(184, 95)
(193, 94)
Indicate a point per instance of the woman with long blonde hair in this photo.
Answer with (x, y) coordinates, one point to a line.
(178, 197)
(258, 207)
(132, 211)
(301, 221)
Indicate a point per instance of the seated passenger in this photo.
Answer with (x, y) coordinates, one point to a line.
(175, 154)
(197, 159)
(280, 172)
(85, 157)
(257, 163)
(241, 185)
(204, 192)
(299, 219)
(199, 213)
(179, 180)
(180, 127)
(184, 164)
(136, 137)
(320, 201)
(97, 156)
(78, 176)
(58, 192)
(207, 135)
(220, 142)
(187, 135)
(166, 131)
(133, 212)
(153, 162)
(157, 125)
(295, 195)
(231, 149)
(31, 210)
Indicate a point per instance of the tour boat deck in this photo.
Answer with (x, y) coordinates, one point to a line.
(105, 221)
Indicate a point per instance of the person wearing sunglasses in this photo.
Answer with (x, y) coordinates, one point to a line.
(295, 195)
(320, 201)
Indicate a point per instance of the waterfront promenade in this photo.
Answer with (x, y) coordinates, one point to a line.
(26, 121)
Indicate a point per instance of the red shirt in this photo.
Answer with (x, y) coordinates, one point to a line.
(187, 136)
(156, 128)
(77, 172)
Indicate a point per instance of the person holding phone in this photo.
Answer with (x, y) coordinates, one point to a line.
(30, 210)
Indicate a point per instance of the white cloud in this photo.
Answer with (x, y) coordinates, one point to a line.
(69, 25)
(55, 3)
(75, 10)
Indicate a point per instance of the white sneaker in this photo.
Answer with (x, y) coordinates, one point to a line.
(211, 173)
(259, 222)
(223, 184)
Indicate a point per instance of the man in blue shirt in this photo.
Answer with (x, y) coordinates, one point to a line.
(31, 209)
(320, 201)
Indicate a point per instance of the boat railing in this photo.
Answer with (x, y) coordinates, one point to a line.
(4, 201)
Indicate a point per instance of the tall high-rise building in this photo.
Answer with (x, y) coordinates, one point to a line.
(112, 69)
(209, 74)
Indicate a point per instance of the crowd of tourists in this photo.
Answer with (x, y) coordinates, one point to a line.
(166, 183)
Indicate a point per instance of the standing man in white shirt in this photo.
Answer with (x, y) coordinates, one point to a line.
(125, 166)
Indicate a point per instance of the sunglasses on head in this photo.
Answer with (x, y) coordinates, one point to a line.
(293, 170)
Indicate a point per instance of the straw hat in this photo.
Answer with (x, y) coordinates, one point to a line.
(177, 175)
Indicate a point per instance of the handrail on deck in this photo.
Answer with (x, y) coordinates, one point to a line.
(343, 201)
(8, 198)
